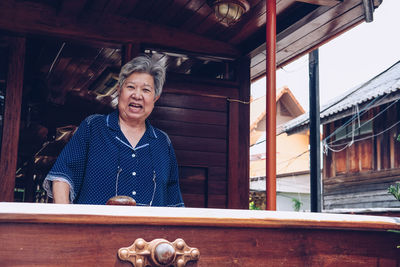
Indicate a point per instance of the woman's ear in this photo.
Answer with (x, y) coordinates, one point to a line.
(156, 98)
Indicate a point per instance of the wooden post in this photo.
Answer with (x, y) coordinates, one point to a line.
(271, 105)
(12, 114)
(129, 51)
(239, 142)
(315, 151)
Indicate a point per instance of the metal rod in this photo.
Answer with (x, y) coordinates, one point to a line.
(315, 153)
(271, 105)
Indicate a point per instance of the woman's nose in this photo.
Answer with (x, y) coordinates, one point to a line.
(136, 94)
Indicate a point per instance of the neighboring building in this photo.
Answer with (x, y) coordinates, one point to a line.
(361, 144)
(292, 154)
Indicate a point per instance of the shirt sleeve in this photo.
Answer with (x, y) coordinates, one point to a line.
(70, 164)
(174, 197)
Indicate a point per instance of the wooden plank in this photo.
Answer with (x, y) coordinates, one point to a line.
(72, 8)
(12, 115)
(198, 144)
(238, 148)
(307, 40)
(201, 90)
(193, 102)
(113, 6)
(341, 162)
(126, 7)
(197, 158)
(244, 132)
(193, 187)
(272, 247)
(42, 214)
(275, 239)
(366, 154)
(359, 177)
(197, 18)
(364, 197)
(217, 188)
(349, 188)
(187, 115)
(191, 129)
(171, 11)
(322, 2)
(217, 201)
(216, 174)
(353, 158)
(233, 156)
(311, 23)
(249, 26)
(41, 19)
(143, 9)
(194, 200)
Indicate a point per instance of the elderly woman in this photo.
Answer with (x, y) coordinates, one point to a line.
(120, 153)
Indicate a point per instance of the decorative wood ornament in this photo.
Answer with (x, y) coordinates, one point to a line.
(159, 252)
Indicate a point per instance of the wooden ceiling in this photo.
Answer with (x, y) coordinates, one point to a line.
(189, 25)
(80, 39)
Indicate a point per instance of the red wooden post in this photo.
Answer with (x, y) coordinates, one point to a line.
(12, 113)
(271, 105)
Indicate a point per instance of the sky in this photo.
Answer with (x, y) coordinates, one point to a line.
(348, 60)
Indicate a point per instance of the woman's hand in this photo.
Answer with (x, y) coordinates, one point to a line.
(61, 192)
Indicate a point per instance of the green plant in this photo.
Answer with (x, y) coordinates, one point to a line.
(296, 204)
(253, 206)
(395, 191)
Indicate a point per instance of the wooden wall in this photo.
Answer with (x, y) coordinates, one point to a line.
(210, 134)
(196, 115)
(359, 175)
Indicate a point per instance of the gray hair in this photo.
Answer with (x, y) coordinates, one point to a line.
(145, 64)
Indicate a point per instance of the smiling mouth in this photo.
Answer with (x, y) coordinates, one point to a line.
(135, 106)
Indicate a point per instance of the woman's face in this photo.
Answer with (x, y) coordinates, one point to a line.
(137, 97)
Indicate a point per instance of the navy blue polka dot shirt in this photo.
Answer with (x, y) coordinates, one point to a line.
(99, 163)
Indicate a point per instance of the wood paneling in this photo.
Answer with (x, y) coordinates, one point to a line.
(12, 113)
(318, 30)
(198, 127)
(189, 115)
(191, 129)
(239, 142)
(199, 144)
(193, 184)
(366, 154)
(253, 238)
(353, 158)
(371, 164)
(341, 162)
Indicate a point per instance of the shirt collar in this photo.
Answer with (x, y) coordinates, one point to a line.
(112, 121)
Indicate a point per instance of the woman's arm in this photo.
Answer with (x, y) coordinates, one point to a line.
(60, 192)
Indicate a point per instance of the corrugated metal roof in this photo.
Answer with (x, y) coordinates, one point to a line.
(383, 84)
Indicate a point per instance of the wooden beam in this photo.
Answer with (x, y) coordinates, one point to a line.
(39, 19)
(316, 29)
(72, 8)
(321, 2)
(12, 113)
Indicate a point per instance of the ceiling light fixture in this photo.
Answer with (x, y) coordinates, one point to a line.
(228, 12)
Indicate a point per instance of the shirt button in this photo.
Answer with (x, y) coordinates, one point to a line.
(133, 155)
(134, 193)
(133, 173)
